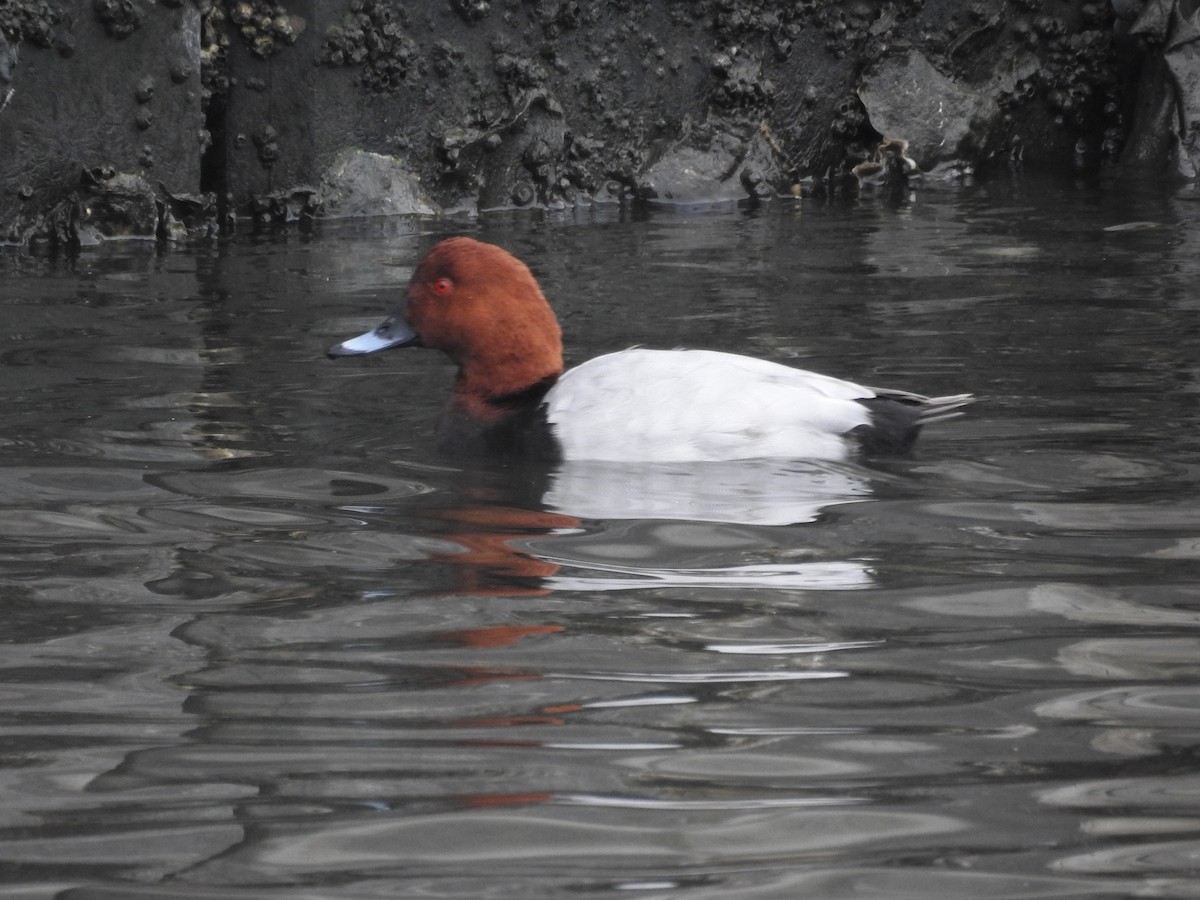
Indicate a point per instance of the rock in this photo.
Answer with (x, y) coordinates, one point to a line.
(114, 206)
(107, 205)
(103, 205)
(186, 216)
(359, 183)
(111, 103)
(529, 158)
(551, 103)
(907, 98)
(1166, 132)
(718, 168)
(8, 64)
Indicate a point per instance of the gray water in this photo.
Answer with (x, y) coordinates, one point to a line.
(258, 641)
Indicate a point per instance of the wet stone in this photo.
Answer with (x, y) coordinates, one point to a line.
(907, 98)
(723, 168)
(359, 183)
(451, 83)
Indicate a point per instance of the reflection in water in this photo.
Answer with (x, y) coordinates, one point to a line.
(258, 641)
(756, 492)
(488, 560)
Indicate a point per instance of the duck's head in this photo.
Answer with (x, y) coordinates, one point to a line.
(480, 305)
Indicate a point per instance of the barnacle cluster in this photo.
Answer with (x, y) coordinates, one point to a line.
(1077, 73)
(740, 84)
(32, 21)
(373, 36)
(265, 27)
(472, 10)
(847, 26)
(1079, 70)
(517, 72)
(214, 53)
(120, 18)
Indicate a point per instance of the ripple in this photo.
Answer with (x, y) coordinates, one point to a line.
(650, 700)
(23, 484)
(1180, 792)
(175, 846)
(822, 576)
(1075, 602)
(756, 882)
(751, 803)
(789, 649)
(610, 746)
(1084, 603)
(743, 769)
(188, 357)
(566, 837)
(910, 883)
(769, 675)
(352, 551)
(1133, 226)
(1116, 826)
(319, 486)
(760, 492)
(1167, 857)
(212, 518)
(782, 730)
(1125, 518)
(46, 445)
(75, 522)
(1162, 706)
(1050, 470)
(1132, 658)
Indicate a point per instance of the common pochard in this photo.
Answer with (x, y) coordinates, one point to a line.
(482, 306)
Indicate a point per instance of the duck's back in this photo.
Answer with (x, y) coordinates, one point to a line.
(661, 405)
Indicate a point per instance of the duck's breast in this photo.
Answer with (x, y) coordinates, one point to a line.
(664, 405)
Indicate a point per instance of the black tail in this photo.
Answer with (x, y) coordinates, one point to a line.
(897, 417)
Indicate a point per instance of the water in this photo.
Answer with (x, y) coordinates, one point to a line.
(258, 641)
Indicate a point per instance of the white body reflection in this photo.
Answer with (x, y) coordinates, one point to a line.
(697, 525)
(750, 492)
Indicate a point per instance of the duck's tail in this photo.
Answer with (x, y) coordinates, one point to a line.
(930, 409)
(897, 418)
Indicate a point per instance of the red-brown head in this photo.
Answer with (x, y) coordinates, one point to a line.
(482, 306)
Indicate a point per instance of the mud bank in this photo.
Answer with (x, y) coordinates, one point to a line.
(169, 120)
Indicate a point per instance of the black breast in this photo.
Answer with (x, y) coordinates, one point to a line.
(521, 430)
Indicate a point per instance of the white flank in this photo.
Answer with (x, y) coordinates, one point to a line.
(682, 405)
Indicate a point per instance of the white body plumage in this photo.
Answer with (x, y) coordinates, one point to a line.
(701, 405)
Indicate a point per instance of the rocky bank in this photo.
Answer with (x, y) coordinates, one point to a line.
(175, 119)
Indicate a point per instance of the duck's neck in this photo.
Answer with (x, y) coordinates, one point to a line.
(505, 425)
(500, 378)
(491, 404)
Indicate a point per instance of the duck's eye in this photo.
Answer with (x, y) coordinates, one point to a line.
(442, 286)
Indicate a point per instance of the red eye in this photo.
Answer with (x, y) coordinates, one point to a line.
(442, 286)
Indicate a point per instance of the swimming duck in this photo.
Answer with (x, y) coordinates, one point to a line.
(482, 306)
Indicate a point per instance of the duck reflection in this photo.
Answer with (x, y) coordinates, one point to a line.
(487, 559)
(618, 526)
(750, 492)
(474, 656)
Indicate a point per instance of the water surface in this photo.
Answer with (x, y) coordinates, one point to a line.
(258, 640)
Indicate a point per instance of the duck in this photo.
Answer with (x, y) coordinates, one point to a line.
(511, 397)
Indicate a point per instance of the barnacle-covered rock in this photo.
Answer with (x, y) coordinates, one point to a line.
(120, 18)
(372, 36)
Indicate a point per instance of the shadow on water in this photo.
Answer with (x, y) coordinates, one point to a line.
(260, 641)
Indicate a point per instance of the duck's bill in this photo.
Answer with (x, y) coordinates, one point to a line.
(394, 332)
